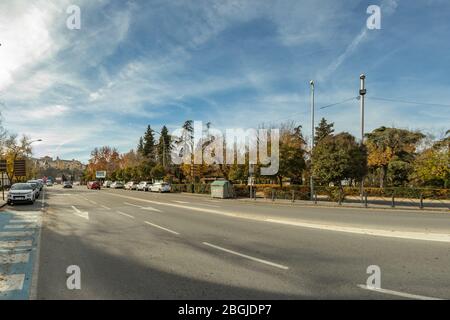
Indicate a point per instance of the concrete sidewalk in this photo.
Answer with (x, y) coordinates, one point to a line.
(351, 202)
(427, 206)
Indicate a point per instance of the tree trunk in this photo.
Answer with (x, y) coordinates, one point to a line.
(383, 175)
(280, 180)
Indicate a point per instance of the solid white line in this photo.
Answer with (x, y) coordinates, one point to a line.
(162, 228)
(125, 214)
(397, 293)
(10, 282)
(11, 258)
(246, 256)
(16, 243)
(441, 237)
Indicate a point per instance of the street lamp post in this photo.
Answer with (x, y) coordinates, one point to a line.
(362, 93)
(311, 83)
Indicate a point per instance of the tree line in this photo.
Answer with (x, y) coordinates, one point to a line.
(388, 157)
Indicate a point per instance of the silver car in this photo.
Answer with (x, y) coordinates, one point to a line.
(21, 193)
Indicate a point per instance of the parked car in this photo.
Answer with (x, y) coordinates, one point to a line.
(107, 184)
(95, 185)
(21, 192)
(117, 185)
(131, 185)
(36, 188)
(49, 183)
(67, 184)
(160, 187)
(143, 186)
(39, 184)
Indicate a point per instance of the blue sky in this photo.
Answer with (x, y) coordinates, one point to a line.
(234, 63)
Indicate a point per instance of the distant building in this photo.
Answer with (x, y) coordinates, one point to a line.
(59, 164)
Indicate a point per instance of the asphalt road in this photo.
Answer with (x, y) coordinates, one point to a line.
(142, 245)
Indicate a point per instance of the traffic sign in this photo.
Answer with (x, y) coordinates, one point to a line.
(19, 168)
(100, 174)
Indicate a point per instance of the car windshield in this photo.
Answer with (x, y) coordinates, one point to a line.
(21, 186)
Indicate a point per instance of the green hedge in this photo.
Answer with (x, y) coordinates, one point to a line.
(332, 193)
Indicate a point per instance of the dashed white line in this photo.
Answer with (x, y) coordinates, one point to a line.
(182, 202)
(397, 293)
(440, 237)
(247, 256)
(162, 228)
(105, 207)
(125, 214)
(133, 205)
(141, 207)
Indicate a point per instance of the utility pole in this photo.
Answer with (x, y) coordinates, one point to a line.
(362, 93)
(311, 180)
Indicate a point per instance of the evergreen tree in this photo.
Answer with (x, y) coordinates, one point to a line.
(140, 146)
(324, 129)
(164, 147)
(149, 145)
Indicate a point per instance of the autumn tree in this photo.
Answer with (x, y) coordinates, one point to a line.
(292, 153)
(386, 145)
(337, 158)
(432, 166)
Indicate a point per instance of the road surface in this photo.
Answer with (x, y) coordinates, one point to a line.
(142, 245)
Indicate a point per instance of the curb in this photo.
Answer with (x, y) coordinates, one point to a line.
(299, 204)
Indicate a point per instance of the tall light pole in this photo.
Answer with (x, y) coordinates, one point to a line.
(311, 180)
(362, 93)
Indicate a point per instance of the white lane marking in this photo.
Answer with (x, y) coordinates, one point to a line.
(10, 282)
(182, 202)
(16, 243)
(398, 293)
(105, 207)
(82, 214)
(11, 258)
(208, 205)
(141, 207)
(125, 214)
(151, 209)
(23, 221)
(16, 233)
(20, 226)
(92, 201)
(133, 205)
(162, 228)
(247, 256)
(441, 237)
